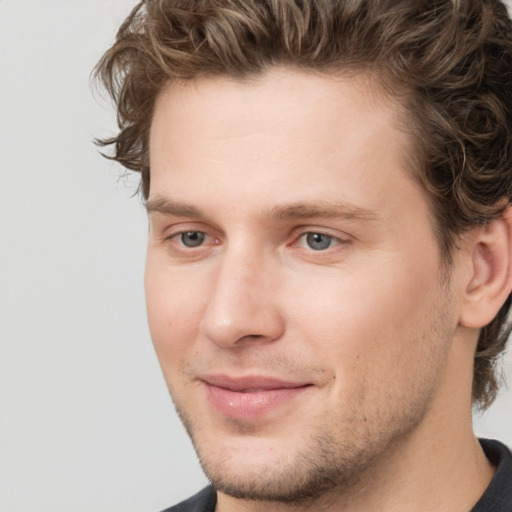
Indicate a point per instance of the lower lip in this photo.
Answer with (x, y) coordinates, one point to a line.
(252, 405)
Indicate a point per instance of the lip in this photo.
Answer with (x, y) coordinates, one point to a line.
(251, 397)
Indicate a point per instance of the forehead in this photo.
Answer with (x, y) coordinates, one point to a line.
(289, 130)
(288, 91)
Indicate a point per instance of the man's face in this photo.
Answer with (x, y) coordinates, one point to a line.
(294, 286)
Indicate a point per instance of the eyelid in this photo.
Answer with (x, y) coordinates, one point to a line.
(172, 233)
(169, 230)
(176, 236)
(334, 234)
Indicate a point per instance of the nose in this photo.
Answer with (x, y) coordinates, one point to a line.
(243, 307)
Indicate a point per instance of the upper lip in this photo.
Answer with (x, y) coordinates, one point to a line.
(251, 383)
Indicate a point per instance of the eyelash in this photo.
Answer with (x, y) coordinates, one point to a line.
(179, 236)
(330, 241)
(309, 238)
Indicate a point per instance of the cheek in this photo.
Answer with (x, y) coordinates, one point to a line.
(371, 318)
(174, 314)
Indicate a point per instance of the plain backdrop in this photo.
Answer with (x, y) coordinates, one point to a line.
(86, 424)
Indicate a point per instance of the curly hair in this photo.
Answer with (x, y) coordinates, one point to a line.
(448, 61)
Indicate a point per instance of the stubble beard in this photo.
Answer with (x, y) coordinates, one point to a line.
(347, 450)
(324, 465)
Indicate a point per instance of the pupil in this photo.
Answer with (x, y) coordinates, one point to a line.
(317, 241)
(192, 238)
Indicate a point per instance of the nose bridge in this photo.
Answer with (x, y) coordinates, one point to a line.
(242, 303)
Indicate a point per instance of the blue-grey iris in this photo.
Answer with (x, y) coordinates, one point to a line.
(318, 241)
(192, 238)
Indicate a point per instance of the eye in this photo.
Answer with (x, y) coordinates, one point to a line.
(192, 238)
(318, 241)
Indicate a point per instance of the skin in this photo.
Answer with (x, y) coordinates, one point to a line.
(373, 323)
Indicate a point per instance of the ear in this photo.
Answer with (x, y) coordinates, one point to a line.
(491, 279)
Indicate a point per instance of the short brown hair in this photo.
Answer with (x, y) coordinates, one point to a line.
(451, 60)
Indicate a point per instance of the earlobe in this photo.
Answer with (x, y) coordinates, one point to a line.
(491, 280)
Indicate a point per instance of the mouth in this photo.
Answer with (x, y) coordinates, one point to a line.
(251, 397)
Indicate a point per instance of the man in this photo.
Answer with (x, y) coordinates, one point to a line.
(329, 263)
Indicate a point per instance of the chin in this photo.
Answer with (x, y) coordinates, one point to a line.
(303, 476)
(287, 470)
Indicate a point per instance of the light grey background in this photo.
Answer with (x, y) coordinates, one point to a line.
(86, 424)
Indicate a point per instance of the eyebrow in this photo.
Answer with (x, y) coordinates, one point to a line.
(176, 209)
(323, 210)
(300, 210)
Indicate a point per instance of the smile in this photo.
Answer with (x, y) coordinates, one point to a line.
(250, 398)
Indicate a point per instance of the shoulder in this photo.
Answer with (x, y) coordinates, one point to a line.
(203, 501)
(498, 496)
